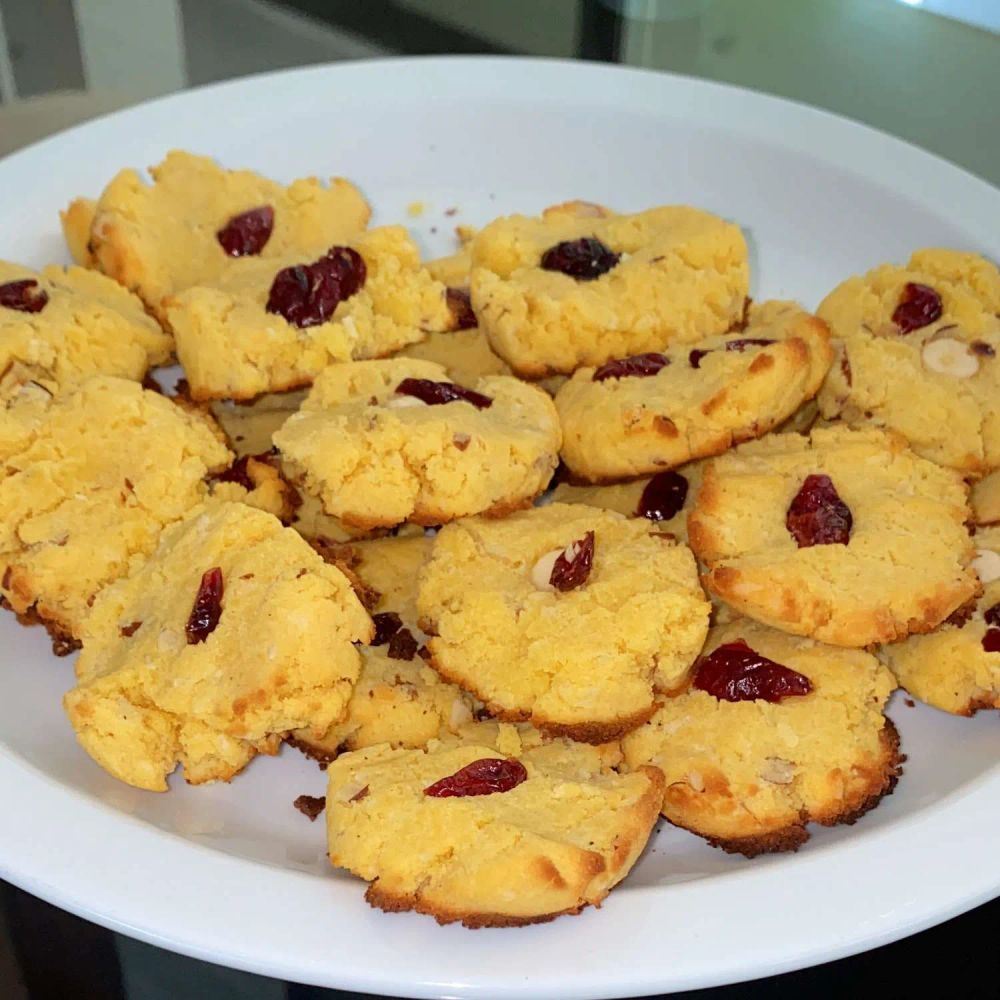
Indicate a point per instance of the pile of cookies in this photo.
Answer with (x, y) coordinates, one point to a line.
(527, 546)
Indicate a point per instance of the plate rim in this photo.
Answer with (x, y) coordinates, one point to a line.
(33, 851)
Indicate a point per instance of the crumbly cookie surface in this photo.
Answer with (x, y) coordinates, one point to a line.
(749, 775)
(705, 399)
(377, 457)
(279, 657)
(96, 477)
(158, 239)
(88, 325)
(682, 276)
(231, 347)
(957, 666)
(583, 662)
(937, 384)
(904, 568)
(558, 841)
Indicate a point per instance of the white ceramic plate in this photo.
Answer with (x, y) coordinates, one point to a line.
(234, 874)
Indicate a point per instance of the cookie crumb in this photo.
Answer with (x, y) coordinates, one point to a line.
(310, 805)
(415, 209)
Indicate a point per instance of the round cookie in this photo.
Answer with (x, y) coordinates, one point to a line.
(918, 355)
(519, 621)
(158, 239)
(62, 324)
(557, 834)
(661, 277)
(378, 457)
(665, 499)
(635, 416)
(84, 496)
(268, 324)
(845, 536)
(749, 775)
(232, 633)
(957, 666)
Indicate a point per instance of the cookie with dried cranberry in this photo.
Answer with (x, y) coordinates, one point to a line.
(97, 475)
(665, 500)
(275, 323)
(957, 666)
(566, 616)
(918, 355)
(62, 324)
(197, 220)
(845, 535)
(232, 633)
(468, 834)
(635, 416)
(563, 291)
(256, 480)
(382, 442)
(773, 733)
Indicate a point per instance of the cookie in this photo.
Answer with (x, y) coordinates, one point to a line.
(984, 499)
(665, 499)
(560, 292)
(85, 499)
(65, 323)
(161, 238)
(565, 616)
(918, 356)
(957, 666)
(546, 834)
(749, 775)
(257, 481)
(77, 219)
(275, 323)
(635, 416)
(231, 634)
(845, 536)
(377, 456)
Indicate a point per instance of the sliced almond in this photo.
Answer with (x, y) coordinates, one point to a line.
(948, 356)
(778, 771)
(696, 781)
(403, 402)
(987, 564)
(541, 572)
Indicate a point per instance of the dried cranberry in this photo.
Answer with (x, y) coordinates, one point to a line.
(438, 393)
(992, 615)
(308, 294)
(486, 776)
(460, 304)
(207, 608)
(20, 295)
(663, 496)
(387, 624)
(991, 640)
(637, 366)
(735, 672)
(742, 343)
(403, 646)
(127, 631)
(983, 349)
(694, 358)
(817, 515)
(918, 306)
(583, 259)
(246, 234)
(572, 572)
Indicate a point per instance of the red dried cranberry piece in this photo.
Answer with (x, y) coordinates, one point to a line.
(694, 358)
(817, 515)
(742, 343)
(735, 672)
(460, 304)
(583, 259)
(983, 349)
(663, 496)
(567, 574)
(387, 624)
(245, 235)
(637, 366)
(486, 776)
(21, 295)
(438, 393)
(207, 608)
(918, 306)
(403, 646)
(308, 294)
(991, 640)
(992, 615)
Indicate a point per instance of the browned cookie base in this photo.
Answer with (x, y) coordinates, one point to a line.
(63, 643)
